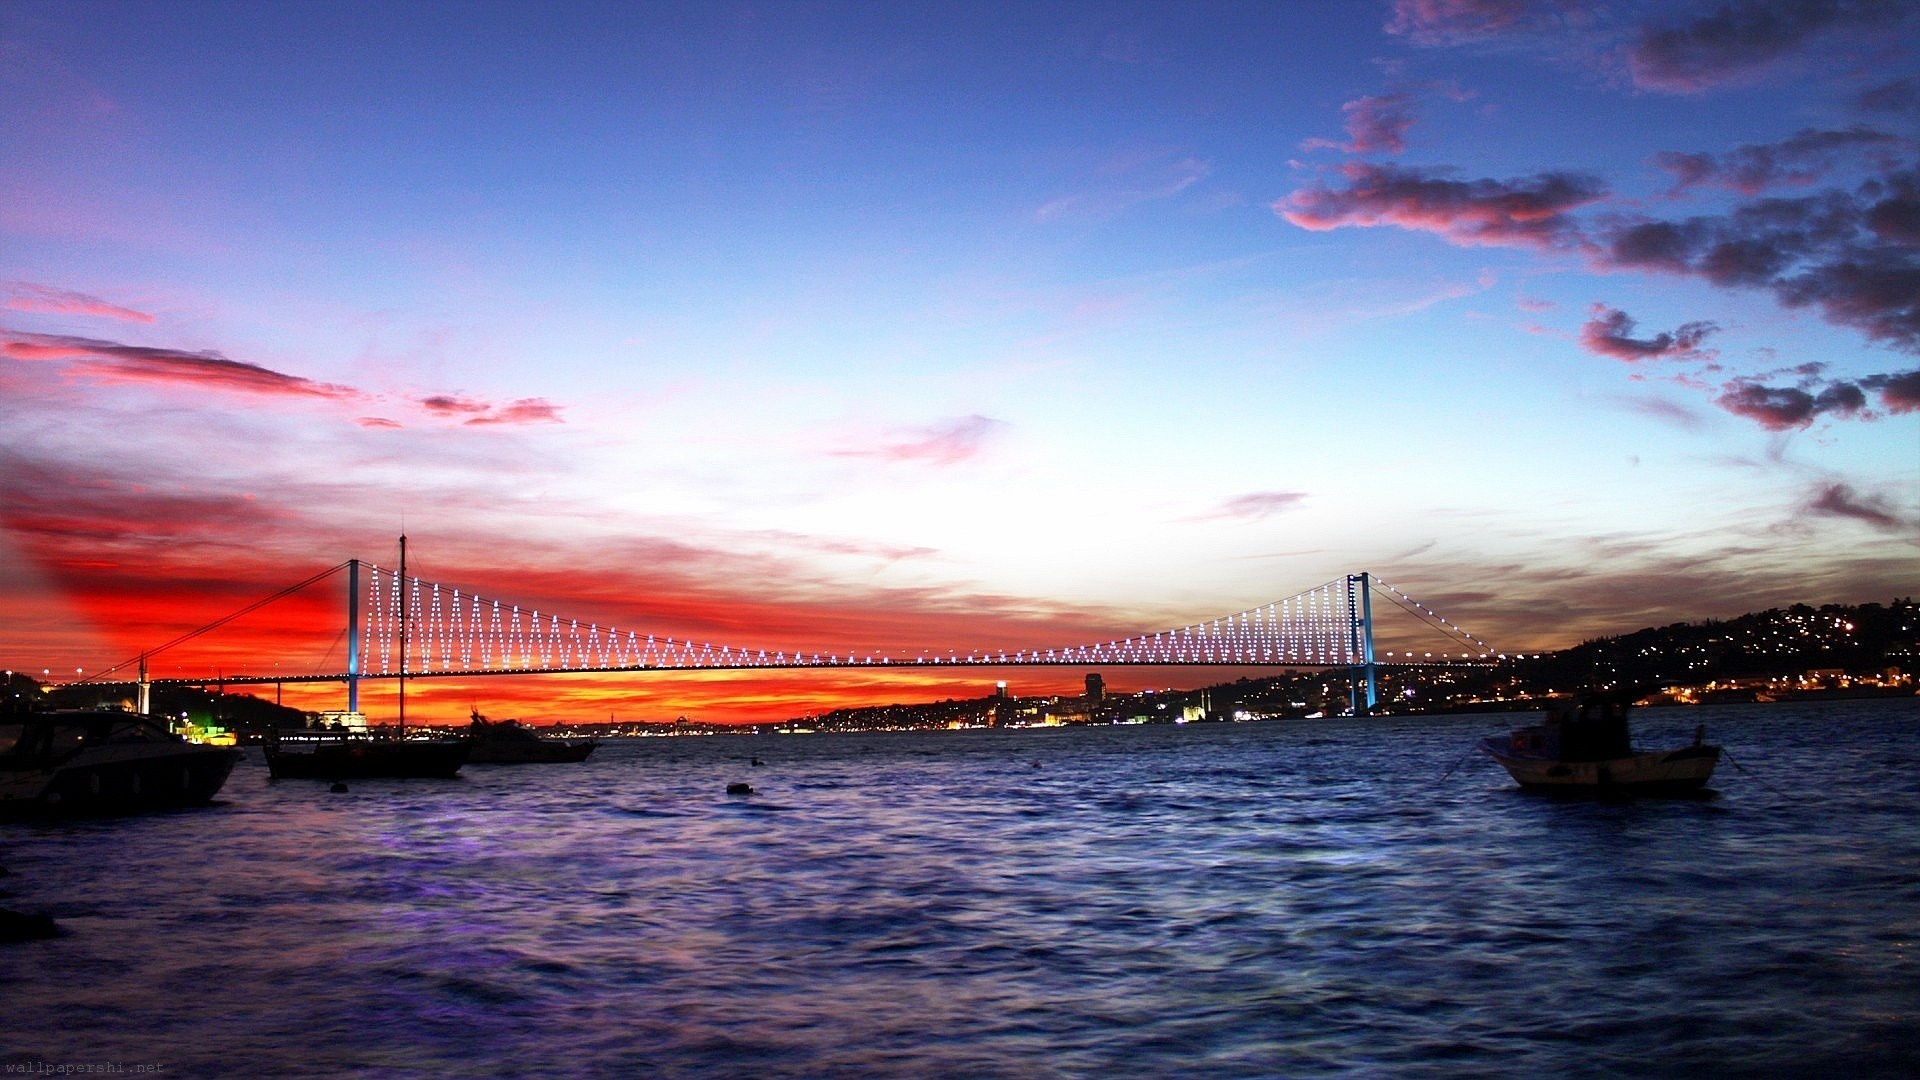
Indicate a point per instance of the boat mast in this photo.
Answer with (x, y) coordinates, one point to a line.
(403, 635)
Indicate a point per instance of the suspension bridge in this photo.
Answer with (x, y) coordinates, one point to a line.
(400, 626)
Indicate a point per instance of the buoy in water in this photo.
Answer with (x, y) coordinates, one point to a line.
(757, 761)
(338, 788)
(739, 789)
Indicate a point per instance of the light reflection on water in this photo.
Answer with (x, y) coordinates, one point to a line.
(1260, 900)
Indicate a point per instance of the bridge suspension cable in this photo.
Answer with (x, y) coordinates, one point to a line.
(452, 631)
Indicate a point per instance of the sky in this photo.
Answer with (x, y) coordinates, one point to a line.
(888, 327)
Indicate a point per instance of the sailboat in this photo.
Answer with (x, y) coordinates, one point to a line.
(323, 754)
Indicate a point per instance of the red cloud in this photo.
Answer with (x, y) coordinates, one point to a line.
(30, 297)
(1609, 333)
(1515, 213)
(112, 361)
(947, 443)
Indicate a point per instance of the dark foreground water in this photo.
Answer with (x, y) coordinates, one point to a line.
(1276, 899)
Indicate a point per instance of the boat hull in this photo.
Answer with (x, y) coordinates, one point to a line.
(365, 759)
(1654, 771)
(117, 780)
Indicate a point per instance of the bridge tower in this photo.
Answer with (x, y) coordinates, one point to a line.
(1360, 637)
(353, 635)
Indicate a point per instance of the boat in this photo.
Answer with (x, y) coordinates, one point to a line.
(86, 762)
(325, 754)
(510, 742)
(341, 753)
(1585, 745)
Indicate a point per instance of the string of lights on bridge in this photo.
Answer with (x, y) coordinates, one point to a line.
(448, 631)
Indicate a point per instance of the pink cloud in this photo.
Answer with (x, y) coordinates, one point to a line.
(522, 411)
(1256, 505)
(1609, 333)
(27, 296)
(110, 361)
(483, 413)
(946, 443)
(1379, 123)
(448, 405)
(1447, 22)
(1531, 212)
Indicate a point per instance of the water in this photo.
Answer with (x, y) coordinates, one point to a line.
(1279, 899)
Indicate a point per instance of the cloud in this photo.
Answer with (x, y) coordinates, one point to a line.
(1530, 212)
(1899, 392)
(522, 411)
(946, 443)
(1663, 410)
(1839, 500)
(1800, 159)
(1260, 504)
(26, 296)
(1785, 408)
(1609, 333)
(1451, 22)
(448, 405)
(1854, 255)
(1740, 39)
(376, 422)
(1379, 122)
(1900, 97)
(111, 361)
(482, 413)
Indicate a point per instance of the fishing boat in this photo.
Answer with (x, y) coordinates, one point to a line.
(1585, 746)
(84, 762)
(345, 754)
(510, 742)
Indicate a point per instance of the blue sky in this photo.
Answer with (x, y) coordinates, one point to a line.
(892, 325)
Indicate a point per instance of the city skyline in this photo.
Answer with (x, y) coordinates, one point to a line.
(849, 328)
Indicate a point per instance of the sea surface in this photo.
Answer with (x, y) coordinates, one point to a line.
(1277, 899)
